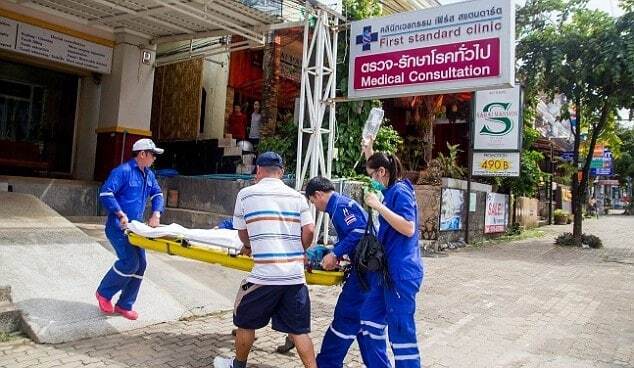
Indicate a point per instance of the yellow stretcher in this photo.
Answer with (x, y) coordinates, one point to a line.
(183, 248)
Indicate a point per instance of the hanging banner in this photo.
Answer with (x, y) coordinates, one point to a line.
(604, 166)
(55, 46)
(567, 156)
(496, 164)
(453, 48)
(597, 157)
(496, 216)
(497, 120)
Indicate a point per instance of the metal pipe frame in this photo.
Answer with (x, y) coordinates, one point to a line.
(317, 93)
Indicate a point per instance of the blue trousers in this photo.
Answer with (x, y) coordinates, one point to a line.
(345, 327)
(127, 272)
(392, 308)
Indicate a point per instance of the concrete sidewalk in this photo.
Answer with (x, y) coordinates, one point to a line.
(54, 269)
(523, 304)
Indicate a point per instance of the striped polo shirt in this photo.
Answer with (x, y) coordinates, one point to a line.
(273, 214)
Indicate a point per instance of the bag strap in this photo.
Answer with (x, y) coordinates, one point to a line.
(369, 227)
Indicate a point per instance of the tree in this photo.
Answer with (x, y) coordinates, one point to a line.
(588, 57)
(624, 165)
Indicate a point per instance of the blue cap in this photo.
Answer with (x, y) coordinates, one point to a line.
(269, 158)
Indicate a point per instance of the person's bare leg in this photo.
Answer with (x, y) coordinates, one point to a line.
(244, 342)
(305, 349)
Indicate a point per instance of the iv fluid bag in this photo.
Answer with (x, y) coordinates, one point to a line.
(372, 125)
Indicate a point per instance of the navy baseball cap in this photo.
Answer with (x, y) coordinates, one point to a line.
(269, 158)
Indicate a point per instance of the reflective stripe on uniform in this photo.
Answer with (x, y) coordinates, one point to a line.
(106, 194)
(373, 324)
(342, 336)
(406, 357)
(404, 346)
(373, 336)
(156, 195)
(125, 274)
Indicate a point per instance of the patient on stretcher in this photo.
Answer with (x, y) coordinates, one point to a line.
(221, 236)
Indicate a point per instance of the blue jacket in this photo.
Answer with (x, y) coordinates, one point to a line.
(403, 253)
(128, 189)
(350, 221)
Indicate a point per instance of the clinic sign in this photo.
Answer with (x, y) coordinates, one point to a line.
(459, 47)
(497, 124)
(55, 46)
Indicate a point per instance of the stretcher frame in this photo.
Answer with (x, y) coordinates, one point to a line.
(221, 256)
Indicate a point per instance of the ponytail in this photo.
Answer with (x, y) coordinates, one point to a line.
(390, 162)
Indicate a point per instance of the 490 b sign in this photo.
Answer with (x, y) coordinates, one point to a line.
(496, 164)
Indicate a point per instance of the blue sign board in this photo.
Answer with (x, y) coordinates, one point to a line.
(567, 156)
(606, 168)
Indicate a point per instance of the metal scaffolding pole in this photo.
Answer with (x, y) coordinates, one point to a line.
(318, 86)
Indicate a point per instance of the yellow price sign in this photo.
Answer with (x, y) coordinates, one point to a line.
(495, 165)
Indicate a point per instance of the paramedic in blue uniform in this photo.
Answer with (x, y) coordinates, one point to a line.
(124, 195)
(392, 303)
(350, 221)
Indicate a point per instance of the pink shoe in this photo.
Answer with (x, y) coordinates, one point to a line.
(104, 304)
(129, 314)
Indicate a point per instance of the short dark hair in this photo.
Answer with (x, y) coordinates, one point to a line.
(319, 184)
(390, 162)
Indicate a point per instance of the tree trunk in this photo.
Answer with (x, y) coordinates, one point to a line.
(433, 104)
(577, 229)
(579, 195)
(271, 69)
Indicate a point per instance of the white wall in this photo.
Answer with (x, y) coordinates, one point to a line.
(127, 92)
(85, 135)
(215, 79)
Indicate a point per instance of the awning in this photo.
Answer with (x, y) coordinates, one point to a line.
(399, 6)
(165, 20)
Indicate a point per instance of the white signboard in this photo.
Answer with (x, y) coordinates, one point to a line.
(496, 216)
(497, 120)
(496, 164)
(459, 47)
(8, 29)
(55, 46)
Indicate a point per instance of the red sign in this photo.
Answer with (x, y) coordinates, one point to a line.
(456, 61)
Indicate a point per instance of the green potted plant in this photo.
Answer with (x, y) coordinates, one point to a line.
(449, 164)
(561, 217)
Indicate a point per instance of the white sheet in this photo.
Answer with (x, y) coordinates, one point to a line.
(219, 237)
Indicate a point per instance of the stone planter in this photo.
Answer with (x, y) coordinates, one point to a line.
(412, 176)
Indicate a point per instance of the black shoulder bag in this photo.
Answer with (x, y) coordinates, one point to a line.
(369, 256)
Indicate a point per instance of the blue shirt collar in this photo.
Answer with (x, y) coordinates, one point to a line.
(404, 181)
(332, 203)
(133, 164)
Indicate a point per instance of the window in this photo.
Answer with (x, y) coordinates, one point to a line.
(21, 112)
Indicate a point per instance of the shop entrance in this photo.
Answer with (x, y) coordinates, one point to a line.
(37, 120)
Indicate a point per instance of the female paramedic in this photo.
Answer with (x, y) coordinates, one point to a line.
(391, 303)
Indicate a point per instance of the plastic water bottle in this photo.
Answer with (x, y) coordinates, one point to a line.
(372, 124)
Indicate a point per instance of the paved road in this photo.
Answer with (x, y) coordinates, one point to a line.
(521, 304)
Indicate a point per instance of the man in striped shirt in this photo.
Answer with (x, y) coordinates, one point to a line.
(275, 225)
